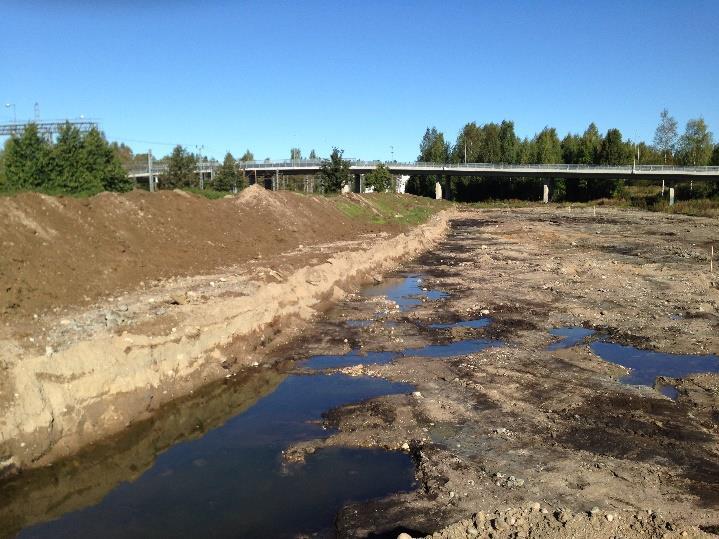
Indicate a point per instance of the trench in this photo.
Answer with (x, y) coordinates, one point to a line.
(223, 473)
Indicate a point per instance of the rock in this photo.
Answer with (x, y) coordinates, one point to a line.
(177, 299)
(535, 507)
(405, 446)
(500, 430)
(484, 312)
(610, 518)
(404, 536)
(377, 278)
(417, 395)
(594, 511)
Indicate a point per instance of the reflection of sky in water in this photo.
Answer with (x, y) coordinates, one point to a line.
(231, 482)
(406, 292)
(647, 365)
(572, 337)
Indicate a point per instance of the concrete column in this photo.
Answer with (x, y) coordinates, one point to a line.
(671, 196)
(276, 183)
(545, 197)
(437, 191)
(357, 184)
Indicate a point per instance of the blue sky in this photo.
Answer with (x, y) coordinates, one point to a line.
(362, 76)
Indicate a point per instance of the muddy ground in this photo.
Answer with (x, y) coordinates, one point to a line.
(518, 424)
(516, 440)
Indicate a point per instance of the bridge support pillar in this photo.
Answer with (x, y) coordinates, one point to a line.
(545, 197)
(357, 188)
(437, 191)
(276, 182)
(671, 196)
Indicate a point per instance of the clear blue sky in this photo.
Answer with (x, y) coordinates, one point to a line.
(360, 75)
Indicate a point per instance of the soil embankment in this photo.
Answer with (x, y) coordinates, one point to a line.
(118, 304)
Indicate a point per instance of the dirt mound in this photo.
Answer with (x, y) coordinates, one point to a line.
(538, 522)
(62, 251)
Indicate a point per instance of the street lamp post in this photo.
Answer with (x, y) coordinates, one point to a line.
(199, 166)
(14, 111)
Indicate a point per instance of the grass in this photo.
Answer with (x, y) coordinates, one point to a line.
(207, 193)
(389, 208)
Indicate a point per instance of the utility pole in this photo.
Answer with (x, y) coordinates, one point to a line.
(37, 111)
(150, 181)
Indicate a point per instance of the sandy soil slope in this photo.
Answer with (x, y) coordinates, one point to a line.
(255, 266)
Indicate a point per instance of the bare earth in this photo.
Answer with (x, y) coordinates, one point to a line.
(513, 441)
(496, 432)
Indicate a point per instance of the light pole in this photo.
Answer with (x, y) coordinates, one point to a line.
(14, 111)
(391, 149)
(199, 165)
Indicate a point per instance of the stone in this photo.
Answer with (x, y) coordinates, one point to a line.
(417, 395)
(404, 535)
(484, 312)
(405, 446)
(377, 278)
(535, 507)
(610, 518)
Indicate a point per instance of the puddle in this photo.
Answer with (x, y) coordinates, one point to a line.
(231, 481)
(647, 365)
(407, 292)
(458, 348)
(572, 336)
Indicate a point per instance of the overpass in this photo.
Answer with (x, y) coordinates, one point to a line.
(264, 171)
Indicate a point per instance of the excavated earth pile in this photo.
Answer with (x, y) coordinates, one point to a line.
(117, 304)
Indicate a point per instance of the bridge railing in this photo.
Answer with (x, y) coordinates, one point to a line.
(207, 166)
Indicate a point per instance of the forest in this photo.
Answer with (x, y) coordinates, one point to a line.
(498, 143)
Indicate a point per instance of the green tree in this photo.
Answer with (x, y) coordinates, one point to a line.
(589, 146)
(507, 142)
(433, 148)
(335, 172)
(227, 176)
(180, 170)
(715, 156)
(547, 146)
(665, 137)
(295, 154)
(613, 151)
(490, 149)
(99, 162)
(3, 177)
(247, 156)
(380, 179)
(468, 144)
(73, 167)
(696, 144)
(571, 145)
(27, 161)
(313, 155)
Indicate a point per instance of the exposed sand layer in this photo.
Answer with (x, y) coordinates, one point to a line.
(107, 366)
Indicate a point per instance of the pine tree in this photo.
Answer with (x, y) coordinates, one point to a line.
(180, 170)
(335, 172)
(27, 161)
(226, 178)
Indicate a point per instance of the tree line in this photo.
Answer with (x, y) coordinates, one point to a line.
(498, 143)
(75, 163)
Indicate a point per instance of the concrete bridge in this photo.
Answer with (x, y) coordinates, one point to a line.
(619, 172)
(268, 172)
